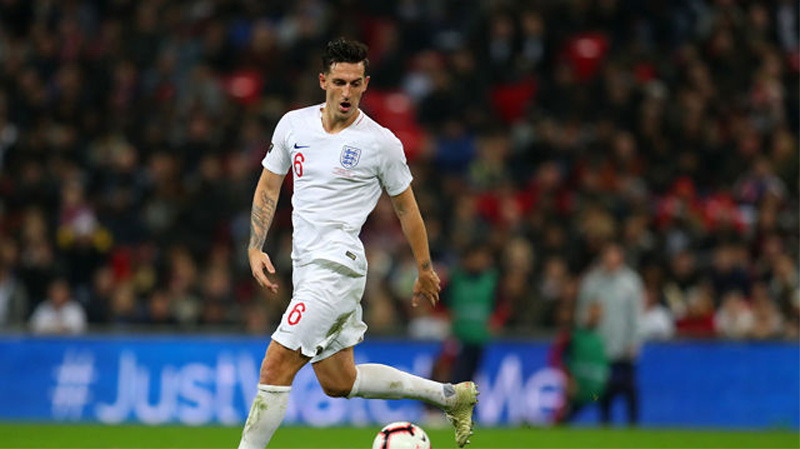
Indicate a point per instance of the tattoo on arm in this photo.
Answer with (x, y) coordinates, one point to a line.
(426, 265)
(260, 220)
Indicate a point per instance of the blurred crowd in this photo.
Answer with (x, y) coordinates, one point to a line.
(131, 135)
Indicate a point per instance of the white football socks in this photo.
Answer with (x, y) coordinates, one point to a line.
(266, 414)
(374, 381)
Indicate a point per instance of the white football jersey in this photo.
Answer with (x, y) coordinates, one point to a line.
(337, 182)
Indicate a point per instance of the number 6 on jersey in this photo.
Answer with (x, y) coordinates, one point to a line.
(298, 164)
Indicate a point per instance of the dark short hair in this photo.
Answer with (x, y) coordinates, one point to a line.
(344, 50)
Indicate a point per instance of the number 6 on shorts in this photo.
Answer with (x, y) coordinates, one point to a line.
(296, 313)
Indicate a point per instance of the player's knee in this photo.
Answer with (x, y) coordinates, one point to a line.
(337, 389)
(280, 366)
(275, 377)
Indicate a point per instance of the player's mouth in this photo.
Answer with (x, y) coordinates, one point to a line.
(345, 106)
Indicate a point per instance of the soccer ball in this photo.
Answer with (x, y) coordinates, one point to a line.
(401, 435)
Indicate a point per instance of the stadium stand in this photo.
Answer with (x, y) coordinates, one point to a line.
(131, 135)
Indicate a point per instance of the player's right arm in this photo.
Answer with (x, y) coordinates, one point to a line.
(264, 202)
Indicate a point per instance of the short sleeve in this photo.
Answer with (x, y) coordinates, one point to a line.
(277, 159)
(394, 174)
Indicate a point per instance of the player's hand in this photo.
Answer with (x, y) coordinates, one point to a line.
(259, 260)
(427, 286)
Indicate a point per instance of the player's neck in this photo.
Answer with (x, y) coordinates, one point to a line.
(333, 125)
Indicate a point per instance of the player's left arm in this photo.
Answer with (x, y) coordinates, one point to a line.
(427, 284)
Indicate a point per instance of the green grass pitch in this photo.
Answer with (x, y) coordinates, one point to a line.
(19, 435)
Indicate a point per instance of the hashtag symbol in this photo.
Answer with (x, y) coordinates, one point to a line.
(73, 378)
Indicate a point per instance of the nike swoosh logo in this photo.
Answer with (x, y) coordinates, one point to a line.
(297, 147)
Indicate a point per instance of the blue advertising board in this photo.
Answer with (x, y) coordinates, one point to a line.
(211, 380)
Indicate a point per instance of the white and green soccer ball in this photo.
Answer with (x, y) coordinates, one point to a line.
(401, 435)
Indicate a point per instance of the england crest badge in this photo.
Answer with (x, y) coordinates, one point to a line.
(349, 157)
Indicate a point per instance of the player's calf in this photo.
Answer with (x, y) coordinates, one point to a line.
(375, 381)
(266, 414)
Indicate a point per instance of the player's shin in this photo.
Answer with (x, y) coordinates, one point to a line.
(375, 381)
(266, 414)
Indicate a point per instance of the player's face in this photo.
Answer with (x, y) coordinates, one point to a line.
(343, 85)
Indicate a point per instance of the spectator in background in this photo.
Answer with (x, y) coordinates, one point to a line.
(80, 239)
(734, 319)
(13, 297)
(580, 353)
(619, 291)
(125, 307)
(657, 322)
(37, 262)
(470, 296)
(783, 285)
(516, 287)
(551, 285)
(698, 320)
(793, 322)
(681, 279)
(159, 309)
(728, 272)
(218, 306)
(59, 314)
(98, 309)
(767, 320)
(182, 283)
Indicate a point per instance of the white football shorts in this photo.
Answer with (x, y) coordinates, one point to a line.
(325, 313)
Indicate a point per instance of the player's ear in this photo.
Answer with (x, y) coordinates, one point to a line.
(322, 81)
(366, 82)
